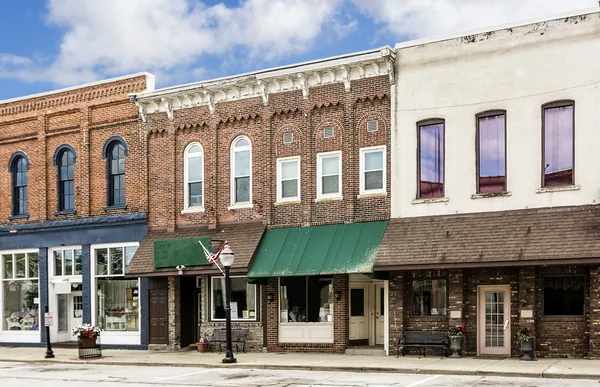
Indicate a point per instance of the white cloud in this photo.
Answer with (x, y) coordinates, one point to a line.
(418, 18)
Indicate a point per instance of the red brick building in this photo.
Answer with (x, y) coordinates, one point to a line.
(288, 154)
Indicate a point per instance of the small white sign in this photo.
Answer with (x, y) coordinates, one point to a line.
(457, 314)
(234, 310)
(526, 313)
(36, 301)
(48, 319)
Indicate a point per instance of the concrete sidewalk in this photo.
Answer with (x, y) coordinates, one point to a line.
(542, 368)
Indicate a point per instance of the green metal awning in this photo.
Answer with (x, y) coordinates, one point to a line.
(318, 250)
(185, 251)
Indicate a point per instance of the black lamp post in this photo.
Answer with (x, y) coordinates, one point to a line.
(227, 259)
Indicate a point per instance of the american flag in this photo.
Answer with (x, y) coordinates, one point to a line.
(210, 257)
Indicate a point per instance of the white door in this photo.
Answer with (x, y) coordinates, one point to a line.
(379, 314)
(63, 315)
(493, 328)
(76, 312)
(359, 322)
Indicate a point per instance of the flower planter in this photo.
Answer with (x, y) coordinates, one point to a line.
(526, 349)
(203, 347)
(455, 346)
(88, 342)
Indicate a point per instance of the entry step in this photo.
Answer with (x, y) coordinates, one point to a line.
(366, 350)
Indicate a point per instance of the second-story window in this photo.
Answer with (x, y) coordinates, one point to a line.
(116, 174)
(491, 152)
(19, 166)
(194, 176)
(241, 171)
(329, 178)
(66, 180)
(372, 170)
(431, 159)
(558, 144)
(288, 179)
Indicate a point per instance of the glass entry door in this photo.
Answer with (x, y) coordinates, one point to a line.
(62, 301)
(494, 330)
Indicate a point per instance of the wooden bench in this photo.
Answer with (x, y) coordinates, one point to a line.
(238, 336)
(423, 340)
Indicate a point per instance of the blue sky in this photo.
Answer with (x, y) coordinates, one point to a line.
(48, 44)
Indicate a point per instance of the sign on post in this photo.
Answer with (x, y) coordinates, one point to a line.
(48, 319)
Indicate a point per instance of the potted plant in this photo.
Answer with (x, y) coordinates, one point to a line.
(87, 334)
(525, 340)
(203, 345)
(455, 334)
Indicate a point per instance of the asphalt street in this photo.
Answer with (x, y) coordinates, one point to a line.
(83, 375)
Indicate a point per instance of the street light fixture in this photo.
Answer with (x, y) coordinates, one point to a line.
(227, 258)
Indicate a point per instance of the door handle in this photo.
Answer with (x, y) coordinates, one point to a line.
(506, 324)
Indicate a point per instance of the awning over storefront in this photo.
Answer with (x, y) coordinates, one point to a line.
(318, 250)
(184, 251)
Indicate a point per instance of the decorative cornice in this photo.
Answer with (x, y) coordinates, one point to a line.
(304, 76)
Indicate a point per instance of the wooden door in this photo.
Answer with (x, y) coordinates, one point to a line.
(494, 325)
(379, 314)
(359, 321)
(159, 317)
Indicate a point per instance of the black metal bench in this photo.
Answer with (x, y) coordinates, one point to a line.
(423, 340)
(238, 336)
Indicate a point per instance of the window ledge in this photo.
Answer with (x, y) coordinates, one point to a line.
(193, 210)
(371, 195)
(284, 202)
(331, 199)
(117, 207)
(240, 206)
(558, 189)
(431, 200)
(491, 195)
(20, 216)
(65, 212)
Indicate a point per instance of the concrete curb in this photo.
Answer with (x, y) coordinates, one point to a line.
(428, 371)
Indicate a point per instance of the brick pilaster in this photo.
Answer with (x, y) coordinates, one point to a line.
(396, 309)
(341, 314)
(174, 314)
(594, 311)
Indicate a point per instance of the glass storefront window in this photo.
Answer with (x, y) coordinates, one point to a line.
(429, 297)
(20, 292)
(67, 262)
(117, 304)
(243, 299)
(306, 299)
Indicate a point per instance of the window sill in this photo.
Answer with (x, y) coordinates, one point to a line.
(365, 195)
(118, 207)
(240, 206)
(20, 216)
(491, 195)
(193, 210)
(329, 199)
(284, 202)
(65, 212)
(558, 189)
(431, 200)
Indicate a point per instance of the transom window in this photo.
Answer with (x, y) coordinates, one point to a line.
(243, 299)
(372, 170)
(113, 260)
(194, 176)
(19, 176)
(241, 173)
(559, 144)
(66, 180)
(329, 178)
(288, 179)
(67, 262)
(431, 159)
(20, 292)
(491, 152)
(116, 174)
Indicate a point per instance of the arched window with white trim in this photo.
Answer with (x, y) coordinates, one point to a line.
(241, 171)
(194, 177)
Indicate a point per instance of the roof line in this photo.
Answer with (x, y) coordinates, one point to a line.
(150, 77)
(440, 38)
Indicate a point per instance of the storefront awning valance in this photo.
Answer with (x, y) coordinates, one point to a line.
(318, 250)
(185, 251)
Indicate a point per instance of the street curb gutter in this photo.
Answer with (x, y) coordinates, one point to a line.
(536, 375)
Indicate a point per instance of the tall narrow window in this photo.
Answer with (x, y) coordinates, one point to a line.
(241, 173)
(116, 174)
(66, 179)
(288, 179)
(194, 177)
(372, 170)
(431, 159)
(559, 145)
(19, 166)
(329, 178)
(491, 152)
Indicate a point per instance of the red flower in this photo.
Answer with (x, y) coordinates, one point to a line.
(462, 327)
(527, 329)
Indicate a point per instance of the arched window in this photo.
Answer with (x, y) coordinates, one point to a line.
(19, 165)
(194, 177)
(65, 163)
(116, 174)
(241, 171)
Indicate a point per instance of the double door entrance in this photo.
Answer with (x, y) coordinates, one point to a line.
(367, 312)
(69, 314)
(493, 320)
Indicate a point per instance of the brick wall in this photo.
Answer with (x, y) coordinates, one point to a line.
(174, 314)
(83, 118)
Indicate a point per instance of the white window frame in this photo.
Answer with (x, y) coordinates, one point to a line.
(114, 337)
(212, 301)
(233, 151)
(320, 157)
(280, 163)
(372, 149)
(52, 263)
(186, 188)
